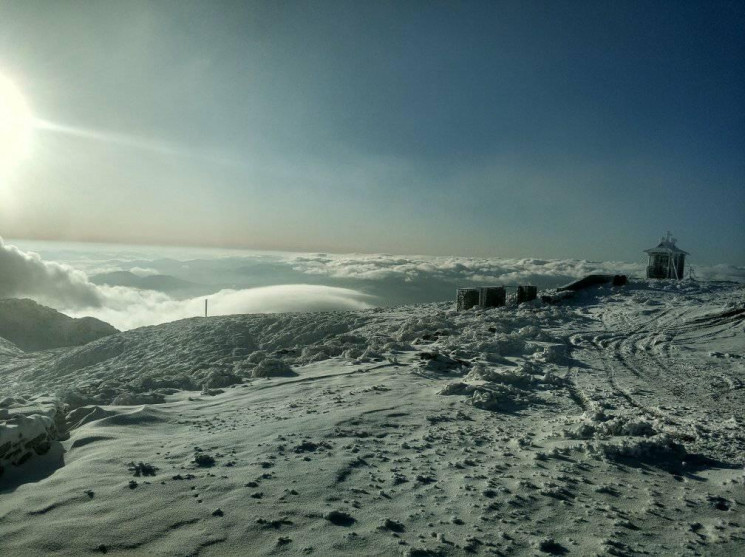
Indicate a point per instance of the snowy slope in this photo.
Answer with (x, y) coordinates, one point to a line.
(219, 351)
(7, 348)
(609, 424)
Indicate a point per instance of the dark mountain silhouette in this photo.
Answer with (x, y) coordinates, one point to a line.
(31, 326)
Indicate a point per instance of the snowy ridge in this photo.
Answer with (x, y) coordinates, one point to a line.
(221, 351)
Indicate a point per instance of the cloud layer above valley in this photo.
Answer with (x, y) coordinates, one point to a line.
(58, 285)
(456, 269)
(128, 308)
(267, 282)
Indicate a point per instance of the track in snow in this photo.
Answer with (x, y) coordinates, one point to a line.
(660, 363)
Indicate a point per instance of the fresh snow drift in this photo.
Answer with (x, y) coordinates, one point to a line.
(610, 424)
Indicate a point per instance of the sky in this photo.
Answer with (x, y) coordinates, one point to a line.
(485, 129)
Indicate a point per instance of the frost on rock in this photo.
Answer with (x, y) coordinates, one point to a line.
(440, 363)
(551, 353)
(661, 450)
(29, 429)
(519, 376)
(272, 367)
(457, 388)
(602, 426)
(501, 398)
(628, 426)
(217, 378)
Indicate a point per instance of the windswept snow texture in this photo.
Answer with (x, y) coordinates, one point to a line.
(609, 424)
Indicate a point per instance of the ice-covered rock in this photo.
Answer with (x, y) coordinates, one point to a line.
(29, 429)
(271, 367)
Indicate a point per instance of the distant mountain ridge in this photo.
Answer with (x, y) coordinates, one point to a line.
(31, 326)
(161, 283)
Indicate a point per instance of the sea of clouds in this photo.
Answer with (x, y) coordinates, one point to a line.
(70, 278)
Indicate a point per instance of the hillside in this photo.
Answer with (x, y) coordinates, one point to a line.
(31, 326)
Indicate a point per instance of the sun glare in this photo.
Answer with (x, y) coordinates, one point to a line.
(16, 123)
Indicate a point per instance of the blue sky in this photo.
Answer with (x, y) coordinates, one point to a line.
(507, 129)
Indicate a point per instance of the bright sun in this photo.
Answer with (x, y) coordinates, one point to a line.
(16, 124)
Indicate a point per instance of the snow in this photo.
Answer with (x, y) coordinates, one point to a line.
(609, 423)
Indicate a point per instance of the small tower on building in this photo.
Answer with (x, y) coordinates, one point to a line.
(666, 261)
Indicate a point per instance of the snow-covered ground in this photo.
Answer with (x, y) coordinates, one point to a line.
(609, 424)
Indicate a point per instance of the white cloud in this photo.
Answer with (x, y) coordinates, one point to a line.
(144, 271)
(457, 269)
(287, 297)
(25, 274)
(543, 272)
(128, 308)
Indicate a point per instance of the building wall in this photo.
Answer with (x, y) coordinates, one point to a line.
(664, 266)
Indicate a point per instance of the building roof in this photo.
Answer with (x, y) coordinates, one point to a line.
(667, 246)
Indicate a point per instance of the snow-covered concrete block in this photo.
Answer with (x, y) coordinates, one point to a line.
(467, 298)
(526, 293)
(493, 296)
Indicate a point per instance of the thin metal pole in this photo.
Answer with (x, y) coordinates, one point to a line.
(205, 307)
